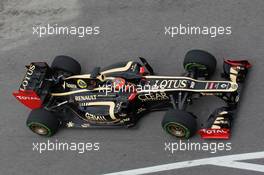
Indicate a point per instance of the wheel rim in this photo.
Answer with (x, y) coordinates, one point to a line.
(191, 65)
(39, 129)
(202, 68)
(177, 130)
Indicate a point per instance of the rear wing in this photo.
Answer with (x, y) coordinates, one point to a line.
(34, 88)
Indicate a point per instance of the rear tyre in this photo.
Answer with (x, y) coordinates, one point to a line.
(43, 122)
(67, 64)
(201, 61)
(179, 124)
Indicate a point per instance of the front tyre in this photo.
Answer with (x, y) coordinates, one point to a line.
(179, 124)
(201, 61)
(43, 122)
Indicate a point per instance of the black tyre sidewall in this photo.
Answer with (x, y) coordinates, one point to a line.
(201, 57)
(183, 118)
(45, 118)
(67, 64)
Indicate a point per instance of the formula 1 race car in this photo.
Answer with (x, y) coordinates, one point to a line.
(117, 96)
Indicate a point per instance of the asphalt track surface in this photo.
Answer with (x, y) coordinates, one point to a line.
(129, 29)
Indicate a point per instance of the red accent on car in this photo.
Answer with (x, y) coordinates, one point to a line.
(132, 96)
(243, 63)
(211, 86)
(142, 70)
(28, 98)
(208, 133)
(119, 83)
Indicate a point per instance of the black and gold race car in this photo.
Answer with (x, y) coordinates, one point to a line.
(118, 95)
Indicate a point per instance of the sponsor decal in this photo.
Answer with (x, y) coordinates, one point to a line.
(237, 98)
(122, 114)
(85, 97)
(214, 131)
(81, 83)
(27, 77)
(220, 120)
(214, 85)
(153, 96)
(69, 85)
(171, 84)
(70, 124)
(84, 104)
(210, 133)
(90, 116)
(211, 86)
(234, 86)
(223, 85)
(192, 85)
(125, 120)
(118, 105)
(133, 67)
(27, 97)
(141, 110)
(208, 94)
(85, 125)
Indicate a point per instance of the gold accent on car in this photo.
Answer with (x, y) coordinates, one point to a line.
(81, 83)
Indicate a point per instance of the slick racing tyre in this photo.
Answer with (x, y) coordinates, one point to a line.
(201, 61)
(180, 124)
(67, 64)
(43, 122)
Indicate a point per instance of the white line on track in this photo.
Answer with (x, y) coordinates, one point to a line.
(224, 161)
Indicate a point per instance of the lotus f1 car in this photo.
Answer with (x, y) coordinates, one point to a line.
(119, 95)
